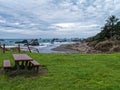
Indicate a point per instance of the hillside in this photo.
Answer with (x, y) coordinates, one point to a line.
(108, 40)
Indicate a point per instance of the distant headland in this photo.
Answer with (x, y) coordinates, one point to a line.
(107, 41)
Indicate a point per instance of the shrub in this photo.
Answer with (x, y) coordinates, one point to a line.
(104, 46)
(115, 49)
(92, 44)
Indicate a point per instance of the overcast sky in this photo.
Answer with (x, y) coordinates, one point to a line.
(54, 18)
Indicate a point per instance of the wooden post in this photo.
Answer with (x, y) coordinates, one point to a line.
(0, 45)
(3, 48)
(28, 47)
(19, 48)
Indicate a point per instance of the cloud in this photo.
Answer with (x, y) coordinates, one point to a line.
(83, 18)
(73, 26)
(71, 29)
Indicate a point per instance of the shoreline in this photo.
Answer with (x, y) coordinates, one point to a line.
(76, 48)
(64, 48)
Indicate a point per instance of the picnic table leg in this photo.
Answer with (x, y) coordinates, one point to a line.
(17, 66)
(29, 65)
(32, 67)
(22, 64)
(37, 68)
(26, 64)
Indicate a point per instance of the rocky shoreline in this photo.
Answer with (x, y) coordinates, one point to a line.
(64, 49)
(76, 48)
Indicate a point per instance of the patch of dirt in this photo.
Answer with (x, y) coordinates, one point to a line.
(12, 73)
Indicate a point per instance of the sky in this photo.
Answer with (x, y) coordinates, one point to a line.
(55, 18)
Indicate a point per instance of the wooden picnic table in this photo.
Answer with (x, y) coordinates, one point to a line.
(23, 58)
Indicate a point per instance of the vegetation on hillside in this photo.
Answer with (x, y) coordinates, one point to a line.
(111, 30)
(108, 40)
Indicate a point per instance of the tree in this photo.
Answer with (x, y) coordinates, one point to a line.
(112, 20)
(110, 29)
(111, 25)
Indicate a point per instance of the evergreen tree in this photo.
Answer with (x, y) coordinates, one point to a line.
(110, 29)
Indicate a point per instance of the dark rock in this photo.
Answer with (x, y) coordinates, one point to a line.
(24, 41)
(34, 42)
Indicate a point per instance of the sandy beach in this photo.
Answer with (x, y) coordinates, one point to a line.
(64, 48)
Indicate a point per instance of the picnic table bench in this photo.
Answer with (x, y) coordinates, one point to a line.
(34, 64)
(6, 64)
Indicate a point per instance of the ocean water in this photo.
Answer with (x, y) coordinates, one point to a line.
(45, 45)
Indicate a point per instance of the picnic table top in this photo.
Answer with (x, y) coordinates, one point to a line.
(21, 57)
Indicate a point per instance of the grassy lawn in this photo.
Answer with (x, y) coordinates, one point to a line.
(68, 72)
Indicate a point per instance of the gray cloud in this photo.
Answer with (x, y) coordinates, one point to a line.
(41, 18)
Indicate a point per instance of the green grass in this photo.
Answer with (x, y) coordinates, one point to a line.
(68, 72)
